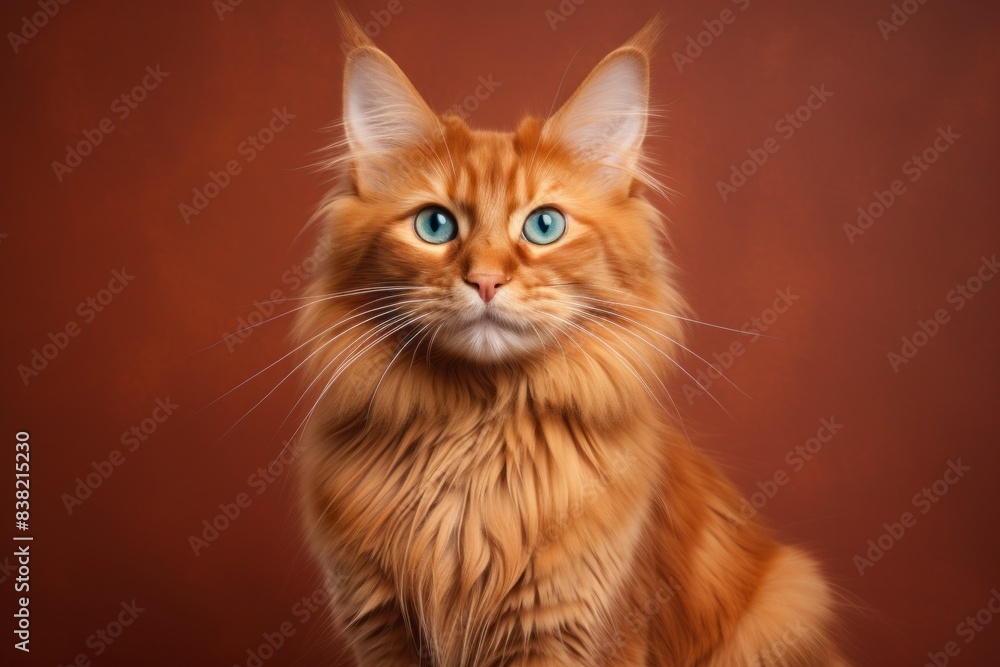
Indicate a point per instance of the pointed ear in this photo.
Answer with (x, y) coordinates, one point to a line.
(382, 109)
(604, 121)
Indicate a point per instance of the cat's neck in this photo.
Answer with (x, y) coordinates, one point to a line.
(595, 388)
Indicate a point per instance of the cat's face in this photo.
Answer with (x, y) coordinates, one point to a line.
(495, 246)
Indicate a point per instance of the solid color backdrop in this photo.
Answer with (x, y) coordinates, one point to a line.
(766, 213)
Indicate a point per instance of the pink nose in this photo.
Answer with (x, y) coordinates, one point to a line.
(487, 284)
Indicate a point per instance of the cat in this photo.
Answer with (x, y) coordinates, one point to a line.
(492, 471)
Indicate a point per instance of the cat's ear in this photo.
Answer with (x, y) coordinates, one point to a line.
(605, 120)
(382, 109)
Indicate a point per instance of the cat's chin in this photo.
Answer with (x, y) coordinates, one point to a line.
(486, 341)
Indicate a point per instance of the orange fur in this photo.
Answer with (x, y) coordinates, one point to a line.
(511, 491)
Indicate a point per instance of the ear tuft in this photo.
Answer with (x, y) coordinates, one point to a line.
(645, 40)
(353, 33)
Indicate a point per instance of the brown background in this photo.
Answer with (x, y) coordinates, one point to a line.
(783, 229)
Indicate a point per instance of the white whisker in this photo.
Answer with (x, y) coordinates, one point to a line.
(394, 357)
(671, 340)
(669, 358)
(318, 349)
(675, 316)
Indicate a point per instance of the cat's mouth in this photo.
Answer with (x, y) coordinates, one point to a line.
(491, 335)
(492, 317)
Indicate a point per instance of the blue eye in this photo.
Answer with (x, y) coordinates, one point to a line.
(544, 226)
(435, 225)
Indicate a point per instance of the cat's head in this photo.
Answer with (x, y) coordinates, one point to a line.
(497, 246)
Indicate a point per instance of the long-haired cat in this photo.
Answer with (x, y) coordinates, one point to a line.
(491, 476)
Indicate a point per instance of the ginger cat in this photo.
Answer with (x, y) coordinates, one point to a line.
(490, 475)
